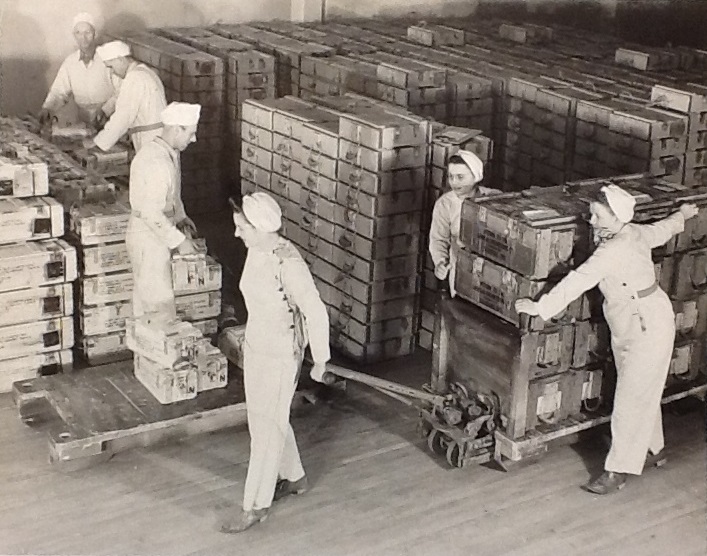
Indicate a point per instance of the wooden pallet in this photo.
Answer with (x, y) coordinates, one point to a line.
(508, 452)
(92, 414)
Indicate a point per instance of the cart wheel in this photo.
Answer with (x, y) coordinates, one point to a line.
(437, 442)
(454, 455)
(424, 428)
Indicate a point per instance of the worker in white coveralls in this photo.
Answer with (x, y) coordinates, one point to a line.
(285, 313)
(139, 104)
(84, 77)
(158, 224)
(464, 171)
(641, 321)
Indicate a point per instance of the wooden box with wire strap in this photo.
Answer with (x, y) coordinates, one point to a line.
(99, 222)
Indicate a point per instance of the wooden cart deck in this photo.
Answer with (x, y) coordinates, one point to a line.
(93, 413)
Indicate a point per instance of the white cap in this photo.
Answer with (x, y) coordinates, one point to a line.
(84, 17)
(262, 211)
(474, 163)
(112, 50)
(181, 113)
(620, 201)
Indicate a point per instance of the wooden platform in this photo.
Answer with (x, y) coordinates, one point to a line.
(96, 412)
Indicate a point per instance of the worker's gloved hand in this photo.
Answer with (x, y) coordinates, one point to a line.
(186, 247)
(441, 271)
(318, 371)
(99, 119)
(528, 306)
(187, 227)
(45, 116)
(689, 210)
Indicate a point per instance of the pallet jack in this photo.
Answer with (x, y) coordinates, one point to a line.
(458, 424)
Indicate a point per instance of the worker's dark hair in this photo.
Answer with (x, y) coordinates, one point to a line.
(456, 159)
(235, 206)
(599, 196)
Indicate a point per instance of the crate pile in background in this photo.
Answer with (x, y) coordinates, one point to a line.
(520, 244)
(191, 75)
(350, 176)
(37, 267)
(173, 359)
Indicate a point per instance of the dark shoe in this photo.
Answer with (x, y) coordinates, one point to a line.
(607, 483)
(656, 460)
(244, 520)
(285, 487)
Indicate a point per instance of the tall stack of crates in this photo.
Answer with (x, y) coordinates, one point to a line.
(173, 360)
(37, 269)
(197, 281)
(336, 75)
(446, 141)
(190, 75)
(105, 288)
(520, 244)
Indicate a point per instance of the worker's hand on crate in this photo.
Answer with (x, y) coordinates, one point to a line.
(528, 306)
(320, 374)
(187, 227)
(45, 117)
(441, 271)
(99, 119)
(689, 210)
(88, 143)
(186, 247)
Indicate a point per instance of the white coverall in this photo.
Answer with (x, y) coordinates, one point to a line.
(137, 109)
(284, 313)
(93, 87)
(444, 231)
(156, 204)
(642, 328)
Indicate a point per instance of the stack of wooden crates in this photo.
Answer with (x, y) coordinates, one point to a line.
(518, 245)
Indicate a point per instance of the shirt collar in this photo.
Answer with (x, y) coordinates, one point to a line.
(79, 55)
(170, 150)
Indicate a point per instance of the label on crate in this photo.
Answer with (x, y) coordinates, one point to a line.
(101, 259)
(105, 348)
(104, 319)
(33, 366)
(213, 373)
(199, 306)
(30, 219)
(550, 401)
(107, 288)
(207, 327)
(27, 265)
(29, 305)
(167, 384)
(99, 223)
(36, 337)
(26, 176)
(196, 275)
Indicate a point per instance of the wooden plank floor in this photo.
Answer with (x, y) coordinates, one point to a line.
(376, 491)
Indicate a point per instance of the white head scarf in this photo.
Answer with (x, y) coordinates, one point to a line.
(620, 201)
(112, 50)
(181, 113)
(84, 17)
(262, 211)
(474, 163)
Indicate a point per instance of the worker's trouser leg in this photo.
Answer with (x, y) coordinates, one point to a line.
(269, 388)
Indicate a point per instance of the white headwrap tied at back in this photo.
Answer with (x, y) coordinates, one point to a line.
(84, 17)
(112, 50)
(474, 163)
(262, 211)
(620, 201)
(181, 113)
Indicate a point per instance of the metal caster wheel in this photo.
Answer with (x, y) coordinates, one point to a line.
(437, 442)
(454, 455)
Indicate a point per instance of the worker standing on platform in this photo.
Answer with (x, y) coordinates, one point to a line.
(285, 313)
(84, 77)
(139, 103)
(464, 172)
(158, 223)
(641, 321)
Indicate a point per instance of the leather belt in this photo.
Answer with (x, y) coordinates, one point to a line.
(649, 290)
(138, 214)
(141, 128)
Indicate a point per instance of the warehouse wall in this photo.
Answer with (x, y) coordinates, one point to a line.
(371, 8)
(35, 35)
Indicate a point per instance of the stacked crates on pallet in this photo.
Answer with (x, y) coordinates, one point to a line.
(173, 360)
(190, 75)
(36, 272)
(104, 290)
(197, 281)
(337, 75)
(519, 244)
(446, 141)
